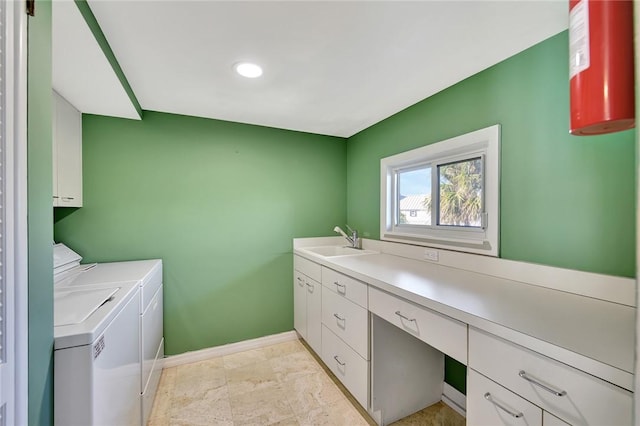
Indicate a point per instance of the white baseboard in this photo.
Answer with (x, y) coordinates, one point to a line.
(455, 399)
(232, 348)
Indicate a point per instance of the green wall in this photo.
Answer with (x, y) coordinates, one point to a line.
(565, 201)
(40, 216)
(219, 202)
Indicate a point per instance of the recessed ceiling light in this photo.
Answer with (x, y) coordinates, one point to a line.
(247, 69)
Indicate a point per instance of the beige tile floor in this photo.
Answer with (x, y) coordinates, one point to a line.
(281, 384)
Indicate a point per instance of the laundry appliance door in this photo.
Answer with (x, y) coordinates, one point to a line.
(101, 384)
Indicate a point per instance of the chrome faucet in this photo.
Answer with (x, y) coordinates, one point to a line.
(354, 239)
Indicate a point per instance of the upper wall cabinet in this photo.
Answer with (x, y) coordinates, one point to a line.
(67, 154)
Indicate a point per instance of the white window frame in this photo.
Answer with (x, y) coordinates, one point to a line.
(484, 143)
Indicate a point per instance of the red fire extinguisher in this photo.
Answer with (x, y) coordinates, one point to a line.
(601, 66)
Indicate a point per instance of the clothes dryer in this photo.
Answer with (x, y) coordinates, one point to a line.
(97, 355)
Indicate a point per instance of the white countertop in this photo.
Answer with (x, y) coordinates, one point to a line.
(591, 334)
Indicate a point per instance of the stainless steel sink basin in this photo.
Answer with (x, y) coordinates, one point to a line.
(333, 251)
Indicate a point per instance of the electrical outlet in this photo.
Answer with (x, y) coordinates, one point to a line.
(431, 254)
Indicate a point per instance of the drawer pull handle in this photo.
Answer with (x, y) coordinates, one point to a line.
(340, 285)
(338, 317)
(342, 364)
(300, 281)
(487, 396)
(310, 287)
(523, 374)
(398, 313)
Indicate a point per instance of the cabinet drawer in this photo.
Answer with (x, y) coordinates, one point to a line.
(347, 365)
(442, 332)
(307, 267)
(347, 320)
(585, 399)
(345, 286)
(489, 404)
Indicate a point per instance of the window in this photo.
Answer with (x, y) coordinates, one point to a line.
(460, 189)
(444, 195)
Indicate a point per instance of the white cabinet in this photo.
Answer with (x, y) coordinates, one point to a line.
(397, 354)
(67, 154)
(336, 327)
(345, 332)
(307, 302)
(565, 392)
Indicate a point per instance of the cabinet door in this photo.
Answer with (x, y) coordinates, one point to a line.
(314, 314)
(300, 304)
(68, 154)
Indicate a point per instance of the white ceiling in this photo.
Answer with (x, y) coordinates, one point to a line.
(330, 67)
(81, 73)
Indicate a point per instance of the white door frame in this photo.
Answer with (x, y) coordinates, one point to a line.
(636, 405)
(21, 242)
(15, 377)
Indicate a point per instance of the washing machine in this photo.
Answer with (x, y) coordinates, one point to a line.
(71, 274)
(97, 355)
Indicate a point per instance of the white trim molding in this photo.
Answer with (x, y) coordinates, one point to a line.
(232, 348)
(14, 105)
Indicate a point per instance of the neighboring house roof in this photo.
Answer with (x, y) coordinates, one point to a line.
(413, 202)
